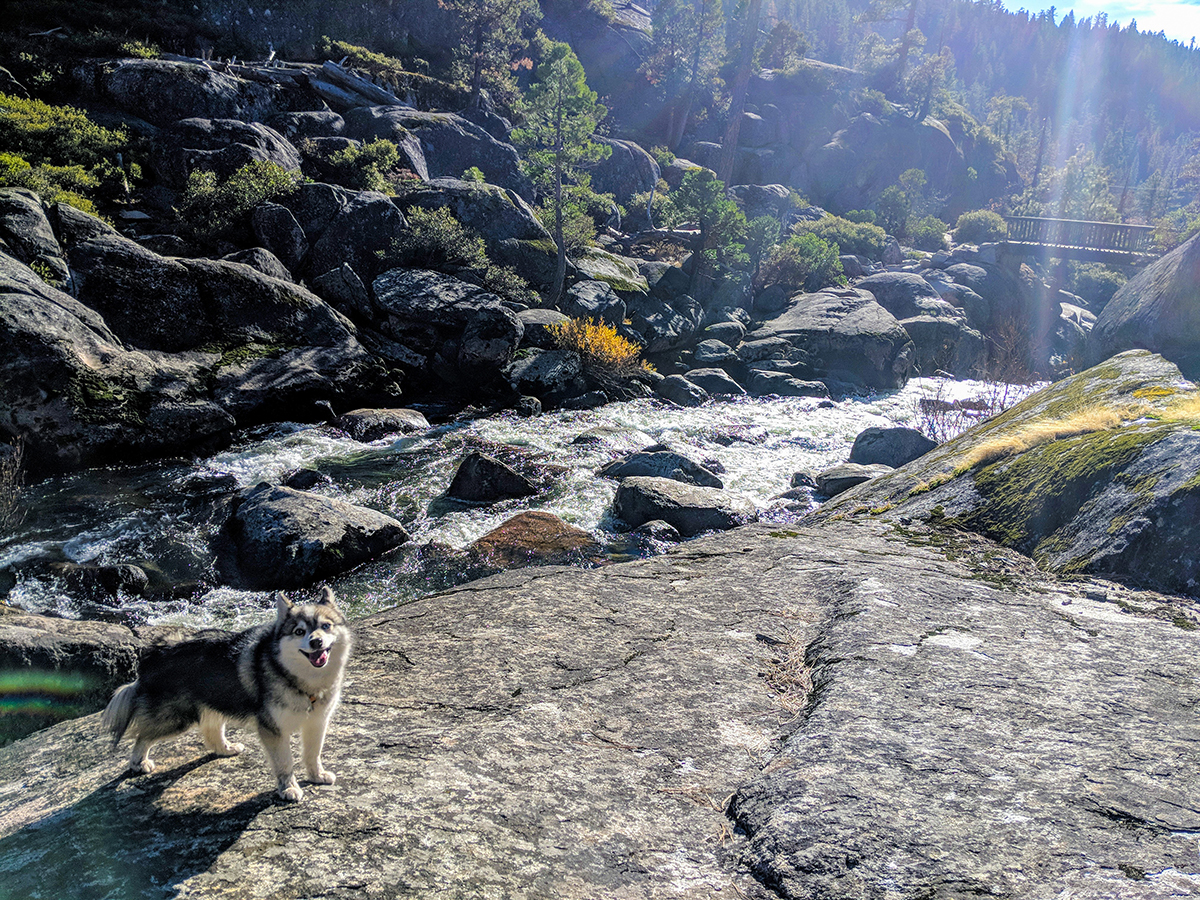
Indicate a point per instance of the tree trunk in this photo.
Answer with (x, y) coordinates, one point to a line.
(737, 100)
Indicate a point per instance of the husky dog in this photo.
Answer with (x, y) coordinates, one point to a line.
(284, 677)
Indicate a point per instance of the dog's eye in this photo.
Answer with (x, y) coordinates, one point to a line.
(300, 629)
(325, 626)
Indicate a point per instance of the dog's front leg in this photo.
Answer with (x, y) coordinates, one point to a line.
(279, 754)
(312, 740)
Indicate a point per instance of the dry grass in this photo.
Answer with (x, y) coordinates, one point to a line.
(1086, 421)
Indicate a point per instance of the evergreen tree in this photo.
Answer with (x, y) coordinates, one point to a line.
(561, 115)
(491, 34)
(688, 41)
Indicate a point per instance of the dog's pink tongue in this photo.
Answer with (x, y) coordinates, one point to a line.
(319, 659)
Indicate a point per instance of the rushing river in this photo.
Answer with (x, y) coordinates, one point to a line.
(163, 516)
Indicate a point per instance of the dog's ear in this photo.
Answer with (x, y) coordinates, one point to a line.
(283, 605)
(326, 598)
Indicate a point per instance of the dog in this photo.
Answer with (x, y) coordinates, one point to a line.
(283, 677)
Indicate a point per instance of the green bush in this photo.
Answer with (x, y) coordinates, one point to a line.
(212, 210)
(861, 216)
(61, 154)
(859, 238)
(893, 207)
(363, 167)
(436, 240)
(980, 226)
(60, 135)
(802, 261)
(1095, 283)
(927, 233)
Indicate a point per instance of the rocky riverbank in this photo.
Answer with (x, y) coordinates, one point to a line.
(845, 711)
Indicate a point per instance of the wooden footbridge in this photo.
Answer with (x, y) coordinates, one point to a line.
(1105, 242)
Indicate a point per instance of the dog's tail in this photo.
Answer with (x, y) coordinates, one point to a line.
(119, 712)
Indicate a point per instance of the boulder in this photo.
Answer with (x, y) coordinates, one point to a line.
(1093, 474)
(356, 233)
(309, 124)
(278, 231)
(627, 170)
(342, 289)
(485, 480)
(538, 323)
(372, 424)
(680, 391)
(845, 328)
(1157, 310)
(549, 375)
(841, 478)
(944, 344)
(660, 464)
(429, 298)
(66, 668)
(164, 91)
(891, 447)
(488, 343)
(764, 383)
(450, 143)
(593, 300)
(262, 261)
(711, 352)
(715, 382)
(533, 538)
(26, 234)
(221, 146)
(729, 333)
(905, 294)
(71, 389)
(277, 537)
(664, 326)
(615, 438)
(621, 273)
(691, 509)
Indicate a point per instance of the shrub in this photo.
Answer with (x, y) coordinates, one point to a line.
(802, 261)
(980, 226)
(53, 184)
(607, 357)
(59, 135)
(436, 240)
(861, 216)
(859, 238)
(893, 207)
(364, 167)
(762, 233)
(1096, 283)
(927, 233)
(475, 175)
(211, 209)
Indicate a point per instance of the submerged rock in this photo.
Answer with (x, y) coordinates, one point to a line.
(533, 538)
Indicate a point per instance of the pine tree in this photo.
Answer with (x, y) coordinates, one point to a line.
(561, 115)
(491, 33)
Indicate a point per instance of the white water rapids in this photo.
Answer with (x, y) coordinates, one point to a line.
(162, 516)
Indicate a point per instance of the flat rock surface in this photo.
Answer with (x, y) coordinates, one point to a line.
(892, 718)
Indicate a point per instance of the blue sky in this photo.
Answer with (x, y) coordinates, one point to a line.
(1180, 19)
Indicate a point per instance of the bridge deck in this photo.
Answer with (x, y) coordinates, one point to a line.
(1074, 239)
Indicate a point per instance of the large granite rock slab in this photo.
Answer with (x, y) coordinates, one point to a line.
(1096, 473)
(891, 720)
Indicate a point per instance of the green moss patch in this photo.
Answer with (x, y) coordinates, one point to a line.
(1029, 497)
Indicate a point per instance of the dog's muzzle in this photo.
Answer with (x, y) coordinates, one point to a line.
(317, 657)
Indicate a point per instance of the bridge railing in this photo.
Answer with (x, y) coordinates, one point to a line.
(1073, 233)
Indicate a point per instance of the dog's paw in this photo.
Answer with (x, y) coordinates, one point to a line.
(230, 750)
(290, 791)
(141, 766)
(322, 776)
